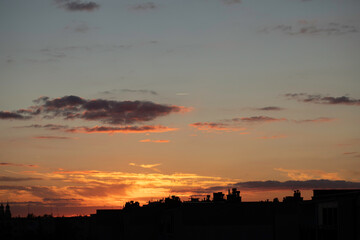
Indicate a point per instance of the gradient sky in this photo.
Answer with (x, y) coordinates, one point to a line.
(102, 102)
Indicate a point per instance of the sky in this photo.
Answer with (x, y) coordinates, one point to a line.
(106, 101)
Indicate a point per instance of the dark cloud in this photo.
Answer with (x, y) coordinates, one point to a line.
(291, 185)
(12, 115)
(304, 27)
(107, 111)
(17, 164)
(258, 119)
(144, 6)
(77, 5)
(17, 179)
(270, 108)
(229, 2)
(320, 99)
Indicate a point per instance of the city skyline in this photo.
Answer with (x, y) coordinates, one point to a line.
(106, 101)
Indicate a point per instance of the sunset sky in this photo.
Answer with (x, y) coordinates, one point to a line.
(115, 100)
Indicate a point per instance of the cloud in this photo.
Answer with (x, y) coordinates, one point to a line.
(229, 2)
(77, 5)
(17, 179)
(46, 126)
(144, 6)
(307, 174)
(125, 90)
(320, 99)
(214, 126)
(304, 27)
(12, 115)
(154, 141)
(126, 129)
(316, 120)
(259, 119)
(270, 108)
(81, 27)
(273, 137)
(107, 111)
(52, 137)
(147, 166)
(17, 164)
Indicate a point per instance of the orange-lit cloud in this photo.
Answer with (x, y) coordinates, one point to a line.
(154, 141)
(126, 129)
(307, 174)
(213, 126)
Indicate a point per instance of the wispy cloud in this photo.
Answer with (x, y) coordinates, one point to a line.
(216, 126)
(53, 137)
(259, 119)
(304, 27)
(321, 99)
(125, 90)
(316, 120)
(12, 115)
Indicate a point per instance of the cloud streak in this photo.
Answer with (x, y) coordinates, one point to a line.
(17, 164)
(154, 141)
(126, 129)
(321, 99)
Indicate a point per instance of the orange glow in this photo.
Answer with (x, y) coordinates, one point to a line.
(154, 141)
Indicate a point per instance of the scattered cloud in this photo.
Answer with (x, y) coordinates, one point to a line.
(17, 179)
(273, 137)
(17, 164)
(316, 120)
(154, 141)
(77, 5)
(107, 111)
(304, 27)
(144, 6)
(270, 108)
(307, 174)
(125, 129)
(46, 126)
(321, 99)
